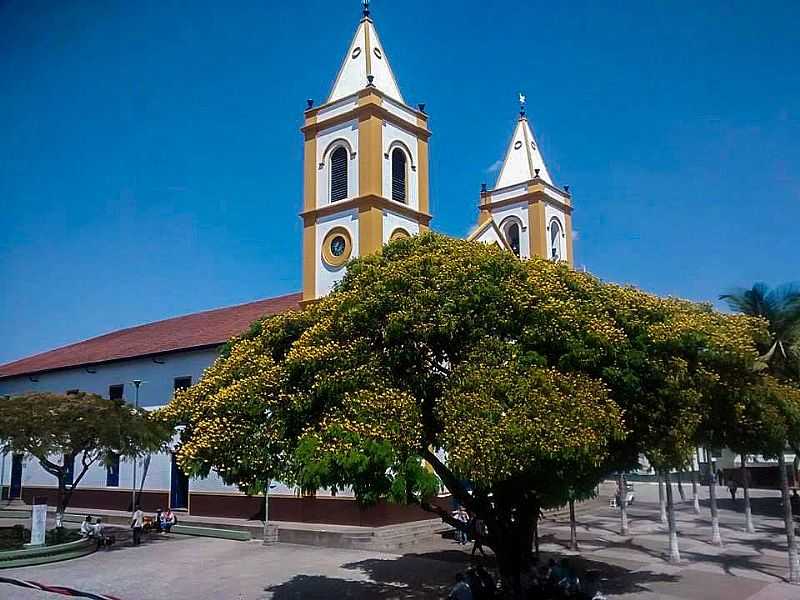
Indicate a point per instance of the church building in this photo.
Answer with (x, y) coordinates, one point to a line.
(365, 183)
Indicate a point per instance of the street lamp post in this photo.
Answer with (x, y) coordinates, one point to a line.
(136, 384)
(265, 536)
(3, 474)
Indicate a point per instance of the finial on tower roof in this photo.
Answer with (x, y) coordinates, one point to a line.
(365, 7)
(521, 104)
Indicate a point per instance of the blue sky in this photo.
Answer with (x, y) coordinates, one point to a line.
(150, 158)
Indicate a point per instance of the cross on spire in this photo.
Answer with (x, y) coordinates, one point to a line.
(522, 104)
(365, 7)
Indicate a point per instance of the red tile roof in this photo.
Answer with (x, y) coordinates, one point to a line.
(198, 330)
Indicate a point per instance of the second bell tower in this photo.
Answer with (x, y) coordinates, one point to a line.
(365, 168)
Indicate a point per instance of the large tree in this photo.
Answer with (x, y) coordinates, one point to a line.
(501, 374)
(60, 429)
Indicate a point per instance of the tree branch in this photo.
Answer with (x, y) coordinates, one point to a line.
(445, 516)
(450, 481)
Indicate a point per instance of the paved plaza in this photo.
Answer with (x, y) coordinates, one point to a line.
(748, 567)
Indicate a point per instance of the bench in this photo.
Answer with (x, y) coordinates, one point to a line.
(226, 534)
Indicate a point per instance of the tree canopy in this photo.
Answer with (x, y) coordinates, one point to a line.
(503, 375)
(58, 428)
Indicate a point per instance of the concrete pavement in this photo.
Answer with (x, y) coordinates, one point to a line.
(747, 567)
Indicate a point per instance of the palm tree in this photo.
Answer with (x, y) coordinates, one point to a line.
(780, 307)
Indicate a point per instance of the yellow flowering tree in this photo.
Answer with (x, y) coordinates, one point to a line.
(511, 379)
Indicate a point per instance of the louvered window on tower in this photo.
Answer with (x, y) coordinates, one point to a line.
(398, 175)
(339, 174)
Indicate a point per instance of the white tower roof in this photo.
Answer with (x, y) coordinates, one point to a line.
(366, 56)
(522, 157)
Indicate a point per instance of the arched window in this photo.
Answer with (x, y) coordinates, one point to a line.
(555, 240)
(398, 175)
(339, 174)
(512, 237)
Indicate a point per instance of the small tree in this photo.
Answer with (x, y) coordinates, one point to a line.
(59, 429)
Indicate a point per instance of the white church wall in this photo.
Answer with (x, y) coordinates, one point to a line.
(392, 136)
(399, 110)
(490, 236)
(327, 140)
(335, 109)
(509, 192)
(392, 221)
(327, 275)
(158, 373)
(519, 212)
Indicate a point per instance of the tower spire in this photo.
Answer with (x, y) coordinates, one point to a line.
(523, 160)
(366, 57)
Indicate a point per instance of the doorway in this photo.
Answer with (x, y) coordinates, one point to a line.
(179, 488)
(15, 491)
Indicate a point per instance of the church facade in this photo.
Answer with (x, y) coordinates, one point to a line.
(366, 183)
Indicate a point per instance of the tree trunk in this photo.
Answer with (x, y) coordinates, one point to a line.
(682, 494)
(60, 503)
(716, 538)
(748, 514)
(794, 560)
(573, 532)
(674, 552)
(623, 509)
(513, 550)
(661, 501)
(695, 494)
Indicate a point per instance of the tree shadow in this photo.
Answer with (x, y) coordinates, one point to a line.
(320, 587)
(431, 574)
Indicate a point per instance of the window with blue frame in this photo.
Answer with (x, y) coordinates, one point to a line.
(69, 466)
(112, 471)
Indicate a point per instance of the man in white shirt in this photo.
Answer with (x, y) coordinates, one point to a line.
(87, 528)
(137, 523)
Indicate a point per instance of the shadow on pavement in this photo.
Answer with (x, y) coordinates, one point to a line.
(430, 575)
(318, 587)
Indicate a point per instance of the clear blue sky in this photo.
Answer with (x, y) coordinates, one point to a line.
(150, 158)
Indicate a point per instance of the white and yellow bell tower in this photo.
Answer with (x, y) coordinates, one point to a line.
(525, 211)
(365, 166)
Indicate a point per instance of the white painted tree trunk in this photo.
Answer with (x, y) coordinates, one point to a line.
(748, 513)
(695, 494)
(794, 560)
(573, 527)
(623, 509)
(674, 551)
(661, 501)
(716, 538)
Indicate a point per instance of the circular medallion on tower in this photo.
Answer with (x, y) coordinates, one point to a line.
(377, 52)
(517, 144)
(337, 247)
(399, 234)
(356, 52)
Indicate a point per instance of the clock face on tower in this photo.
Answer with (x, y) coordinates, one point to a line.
(338, 245)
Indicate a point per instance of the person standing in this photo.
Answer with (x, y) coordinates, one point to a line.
(137, 524)
(462, 516)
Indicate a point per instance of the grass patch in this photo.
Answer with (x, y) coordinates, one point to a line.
(15, 538)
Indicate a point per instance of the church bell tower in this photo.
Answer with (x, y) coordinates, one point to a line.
(526, 212)
(365, 173)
